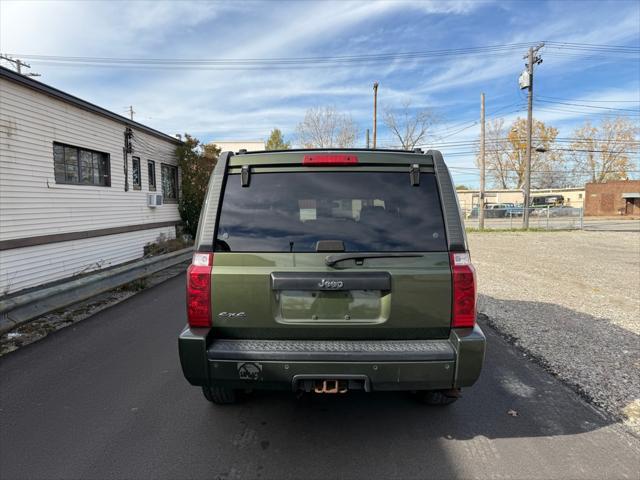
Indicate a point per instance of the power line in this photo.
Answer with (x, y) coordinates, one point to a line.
(473, 123)
(563, 109)
(592, 46)
(283, 60)
(474, 170)
(636, 111)
(588, 101)
(537, 138)
(317, 61)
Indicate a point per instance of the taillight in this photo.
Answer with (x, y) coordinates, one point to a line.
(464, 291)
(199, 290)
(321, 159)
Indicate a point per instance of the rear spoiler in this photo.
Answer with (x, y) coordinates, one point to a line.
(456, 236)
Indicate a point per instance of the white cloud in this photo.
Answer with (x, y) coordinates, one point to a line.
(249, 103)
(109, 29)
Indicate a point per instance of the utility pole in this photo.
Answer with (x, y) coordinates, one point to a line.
(375, 112)
(367, 138)
(18, 65)
(131, 112)
(482, 166)
(532, 59)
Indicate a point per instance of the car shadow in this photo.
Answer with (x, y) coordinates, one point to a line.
(514, 397)
(392, 434)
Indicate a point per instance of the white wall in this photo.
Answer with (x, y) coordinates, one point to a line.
(32, 204)
(30, 266)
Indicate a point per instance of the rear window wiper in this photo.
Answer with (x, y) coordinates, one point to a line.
(331, 260)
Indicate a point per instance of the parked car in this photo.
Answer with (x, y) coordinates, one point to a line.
(496, 210)
(330, 271)
(542, 201)
(559, 211)
(564, 211)
(514, 210)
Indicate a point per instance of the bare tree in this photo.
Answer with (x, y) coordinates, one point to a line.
(327, 128)
(496, 154)
(505, 155)
(603, 152)
(409, 126)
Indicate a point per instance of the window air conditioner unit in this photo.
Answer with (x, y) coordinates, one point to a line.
(154, 200)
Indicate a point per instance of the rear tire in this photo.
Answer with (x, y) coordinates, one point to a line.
(220, 395)
(437, 397)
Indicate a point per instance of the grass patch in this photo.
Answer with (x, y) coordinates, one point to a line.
(163, 245)
(135, 285)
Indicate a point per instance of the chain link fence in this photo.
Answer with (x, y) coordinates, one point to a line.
(510, 216)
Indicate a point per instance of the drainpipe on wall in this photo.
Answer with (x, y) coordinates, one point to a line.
(126, 150)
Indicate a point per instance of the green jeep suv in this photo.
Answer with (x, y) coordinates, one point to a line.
(331, 270)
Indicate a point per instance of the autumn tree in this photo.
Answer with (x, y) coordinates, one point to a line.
(603, 152)
(505, 155)
(408, 125)
(196, 162)
(327, 128)
(276, 141)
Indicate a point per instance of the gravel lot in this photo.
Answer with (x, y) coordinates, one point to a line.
(571, 300)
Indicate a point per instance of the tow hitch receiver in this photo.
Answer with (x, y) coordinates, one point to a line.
(330, 386)
(337, 384)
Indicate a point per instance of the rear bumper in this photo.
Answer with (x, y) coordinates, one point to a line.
(386, 365)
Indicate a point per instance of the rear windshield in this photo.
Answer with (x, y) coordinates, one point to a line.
(367, 211)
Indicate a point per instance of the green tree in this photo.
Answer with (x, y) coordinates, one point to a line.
(196, 162)
(462, 187)
(276, 141)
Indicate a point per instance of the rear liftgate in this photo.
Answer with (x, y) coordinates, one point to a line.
(343, 286)
(291, 283)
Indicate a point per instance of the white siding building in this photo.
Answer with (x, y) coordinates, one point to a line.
(74, 185)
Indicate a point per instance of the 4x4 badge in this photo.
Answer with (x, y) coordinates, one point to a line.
(250, 370)
(324, 283)
(232, 314)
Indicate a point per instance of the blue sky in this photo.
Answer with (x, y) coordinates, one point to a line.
(246, 104)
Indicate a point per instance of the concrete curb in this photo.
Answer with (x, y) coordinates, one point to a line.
(18, 310)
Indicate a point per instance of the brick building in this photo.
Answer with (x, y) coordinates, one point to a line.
(613, 198)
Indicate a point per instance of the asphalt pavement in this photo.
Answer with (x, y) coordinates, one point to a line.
(106, 399)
